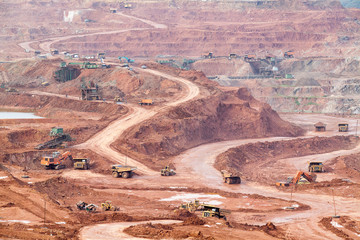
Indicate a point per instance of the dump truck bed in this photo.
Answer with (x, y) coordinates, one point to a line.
(123, 168)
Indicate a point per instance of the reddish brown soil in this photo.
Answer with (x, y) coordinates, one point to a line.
(160, 231)
(326, 223)
(236, 113)
(348, 165)
(248, 157)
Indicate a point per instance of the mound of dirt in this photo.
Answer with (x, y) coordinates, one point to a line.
(59, 189)
(225, 116)
(268, 228)
(86, 218)
(188, 218)
(252, 156)
(346, 165)
(326, 222)
(160, 231)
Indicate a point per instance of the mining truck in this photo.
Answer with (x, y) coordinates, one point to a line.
(146, 102)
(166, 171)
(316, 167)
(289, 54)
(343, 127)
(81, 163)
(230, 178)
(55, 160)
(212, 211)
(122, 171)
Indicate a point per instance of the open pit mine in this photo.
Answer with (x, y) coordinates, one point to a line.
(180, 119)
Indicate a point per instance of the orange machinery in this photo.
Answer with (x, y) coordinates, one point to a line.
(55, 160)
(296, 180)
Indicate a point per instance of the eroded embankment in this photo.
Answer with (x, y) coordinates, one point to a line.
(81, 119)
(250, 159)
(226, 116)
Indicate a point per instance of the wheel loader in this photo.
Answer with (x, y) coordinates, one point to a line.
(107, 206)
(166, 171)
(122, 171)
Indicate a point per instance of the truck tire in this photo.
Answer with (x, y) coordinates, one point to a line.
(115, 174)
(125, 175)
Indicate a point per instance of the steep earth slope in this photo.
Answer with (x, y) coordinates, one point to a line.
(225, 116)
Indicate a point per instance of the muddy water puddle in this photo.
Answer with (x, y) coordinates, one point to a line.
(18, 115)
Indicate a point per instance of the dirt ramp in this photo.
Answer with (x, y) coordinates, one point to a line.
(226, 116)
(257, 161)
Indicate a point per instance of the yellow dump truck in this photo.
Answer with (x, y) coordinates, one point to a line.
(316, 167)
(122, 171)
(343, 127)
(81, 163)
(230, 178)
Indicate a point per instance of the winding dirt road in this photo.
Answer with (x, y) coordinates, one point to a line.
(100, 143)
(197, 164)
(45, 44)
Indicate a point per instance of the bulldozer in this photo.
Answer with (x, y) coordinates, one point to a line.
(191, 206)
(84, 206)
(123, 171)
(81, 163)
(230, 178)
(55, 160)
(166, 171)
(300, 178)
(107, 206)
